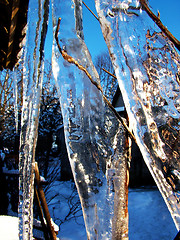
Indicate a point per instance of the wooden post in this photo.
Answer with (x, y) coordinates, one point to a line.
(44, 204)
(44, 227)
(14, 17)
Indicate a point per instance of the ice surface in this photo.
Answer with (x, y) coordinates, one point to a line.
(15, 93)
(147, 67)
(94, 137)
(32, 85)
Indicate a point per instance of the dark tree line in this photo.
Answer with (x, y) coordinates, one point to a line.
(51, 141)
(50, 111)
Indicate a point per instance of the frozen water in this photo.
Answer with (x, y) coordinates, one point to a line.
(32, 85)
(94, 137)
(147, 67)
(15, 93)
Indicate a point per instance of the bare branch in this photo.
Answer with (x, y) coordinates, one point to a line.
(160, 25)
(112, 75)
(90, 11)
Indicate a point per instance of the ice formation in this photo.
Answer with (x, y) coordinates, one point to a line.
(148, 70)
(95, 139)
(15, 95)
(32, 85)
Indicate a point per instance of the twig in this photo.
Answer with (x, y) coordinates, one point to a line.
(160, 25)
(73, 61)
(112, 75)
(90, 10)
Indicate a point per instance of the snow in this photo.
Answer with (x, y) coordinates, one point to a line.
(8, 228)
(149, 217)
(119, 109)
(62, 199)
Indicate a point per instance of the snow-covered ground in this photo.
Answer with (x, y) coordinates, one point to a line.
(149, 218)
(8, 228)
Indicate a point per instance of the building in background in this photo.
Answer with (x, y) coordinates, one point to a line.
(139, 173)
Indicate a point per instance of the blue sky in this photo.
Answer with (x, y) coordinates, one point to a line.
(169, 14)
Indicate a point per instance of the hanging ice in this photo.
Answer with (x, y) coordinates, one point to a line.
(32, 85)
(15, 93)
(94, 137)
(148, 71)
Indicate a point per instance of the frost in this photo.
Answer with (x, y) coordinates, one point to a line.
(32, 86)
(147, 67)
(95, 139)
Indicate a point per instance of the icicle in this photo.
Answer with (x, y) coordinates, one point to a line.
(147, 67)
(32, 85)
(15, 93)
(95, 139)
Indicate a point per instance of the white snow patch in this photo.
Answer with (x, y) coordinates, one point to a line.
(9, 228)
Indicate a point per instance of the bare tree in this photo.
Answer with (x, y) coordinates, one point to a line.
(109, 83)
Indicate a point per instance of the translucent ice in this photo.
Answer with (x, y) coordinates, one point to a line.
(148, 70)
(15, 93)
(32, 85)
(95, 139)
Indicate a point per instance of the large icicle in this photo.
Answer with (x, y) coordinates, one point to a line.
(148, 70)
(15, 95)
(32, 85)
(95, 139)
